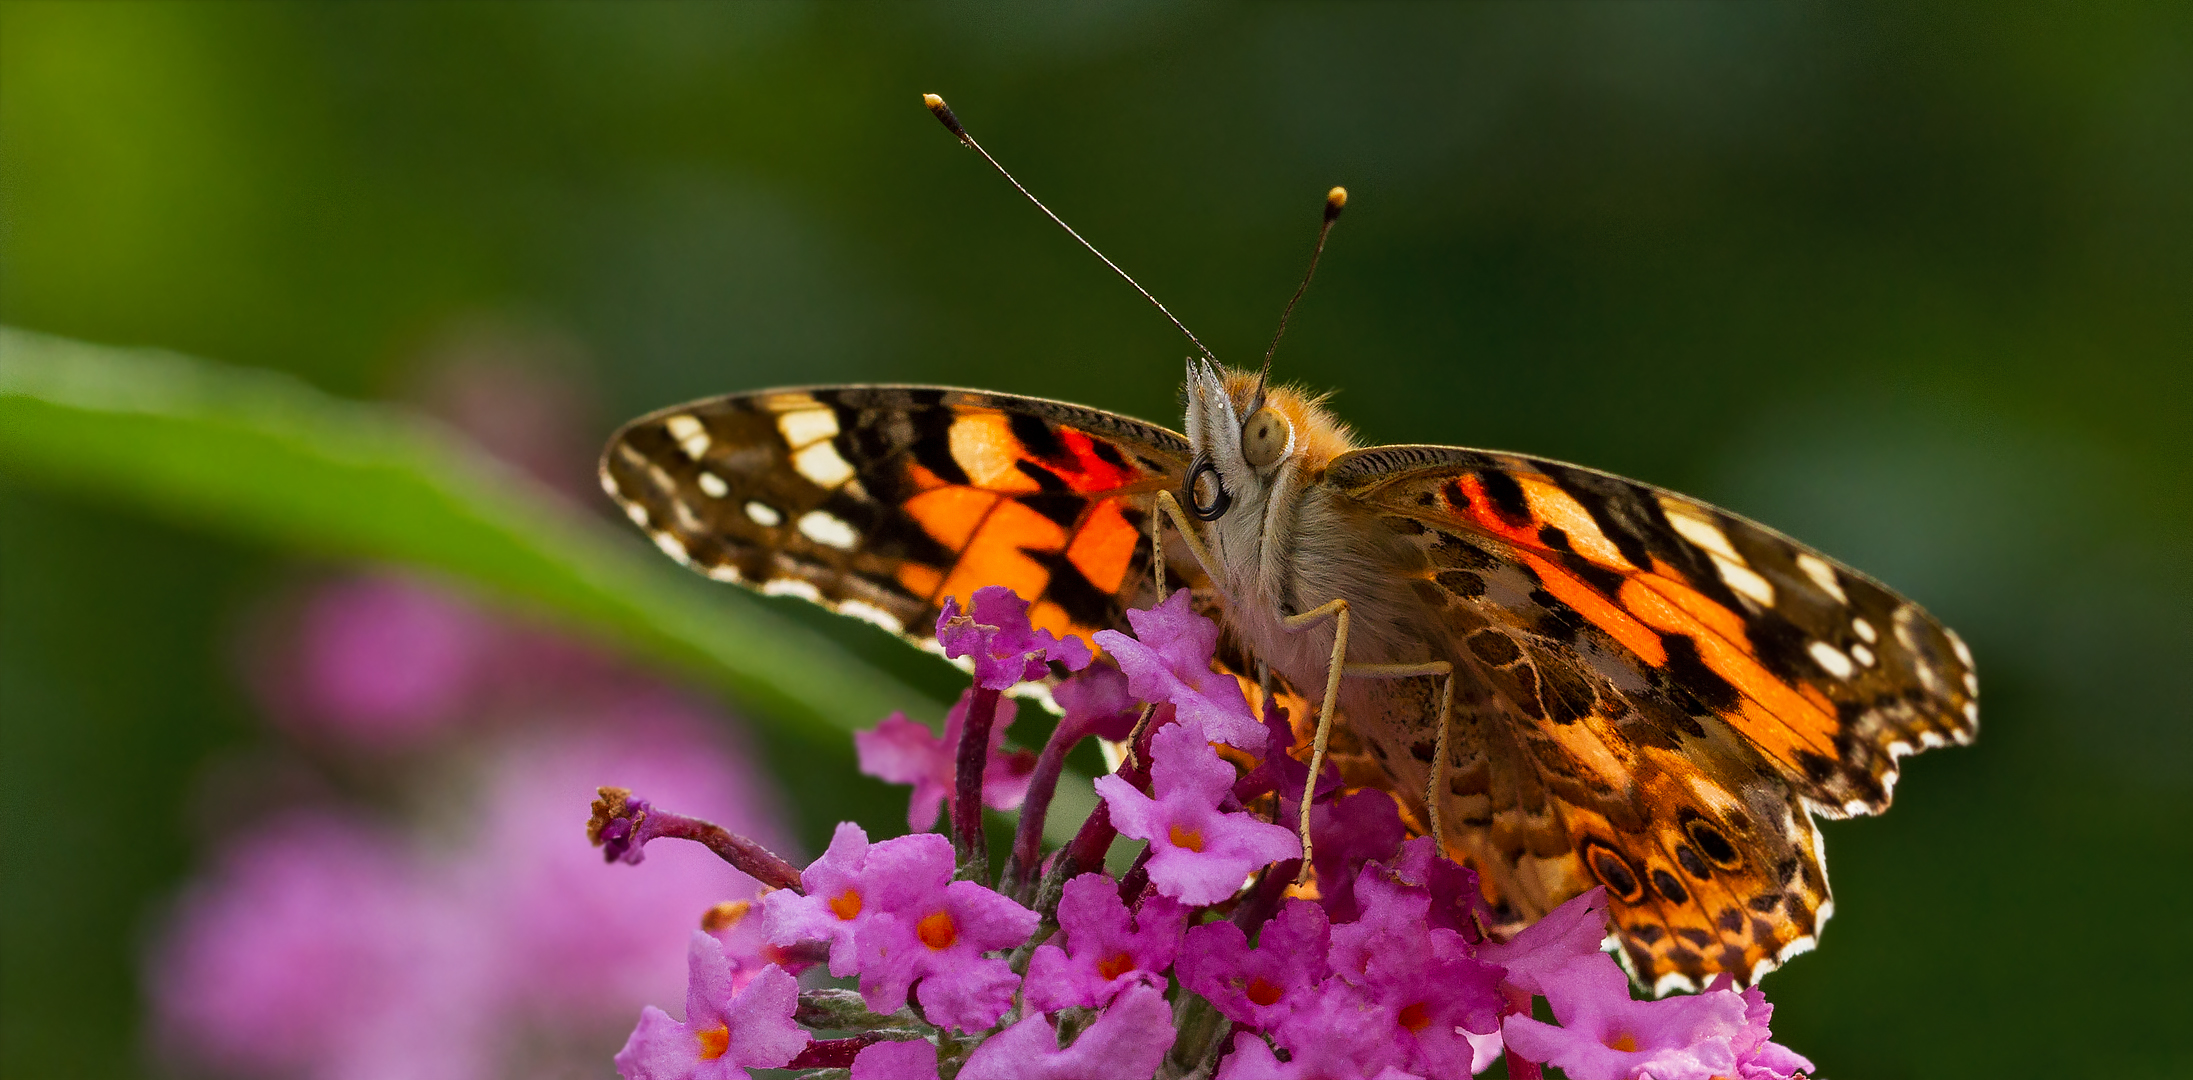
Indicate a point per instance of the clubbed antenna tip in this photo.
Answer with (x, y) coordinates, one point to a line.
(1336, 200)
(944, 116)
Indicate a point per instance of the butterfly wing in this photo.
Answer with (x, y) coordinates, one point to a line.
(1666, 694)
(881, 501)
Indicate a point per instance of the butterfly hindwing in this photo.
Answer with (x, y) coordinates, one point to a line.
(881, 501)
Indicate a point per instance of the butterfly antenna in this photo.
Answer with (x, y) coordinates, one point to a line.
(951, 123)
(1336, 200)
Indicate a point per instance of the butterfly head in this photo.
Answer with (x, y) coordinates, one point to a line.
(1250, 441)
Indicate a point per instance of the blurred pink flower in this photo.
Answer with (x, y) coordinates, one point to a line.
(381, 660)
(319, 947)
(902, 751)
(574, 942)
(326, 947)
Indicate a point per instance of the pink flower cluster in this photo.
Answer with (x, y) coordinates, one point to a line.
(1201, 959)
(332, 938)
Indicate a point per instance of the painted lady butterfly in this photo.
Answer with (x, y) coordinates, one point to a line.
(1642, 691)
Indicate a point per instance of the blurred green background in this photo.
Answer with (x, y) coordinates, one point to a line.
(1908, 282)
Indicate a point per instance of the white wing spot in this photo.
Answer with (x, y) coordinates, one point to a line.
(1699, 531)
(821, 465)
(1972, 716)
(637, 513)
(807, 426)
(1742, 578)
(1822, 575)
(1671, 982)
(1865, 630)
(692, 437)
(764, 515)
(670, 546)
(792, 587)
(1932, 739)
(714, 486)
(870, 613)
(1862, 654)
(1972, 684)
(1964, 654)
(1831, 659)
(724, 572)
(828, 529)
(1899, 748)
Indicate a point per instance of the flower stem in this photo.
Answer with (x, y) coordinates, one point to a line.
(750, 858)
(968, 839)
(834, 1053)
(1087, 849)
(1518, 1003)
(1019, 877)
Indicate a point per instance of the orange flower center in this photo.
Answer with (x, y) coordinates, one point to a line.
(1415, 1016)
(714, 1041)
(1116, 965)
(1186, 838)
(846, 905)
(1263, 991)
(1624, 1041)
(937, 931)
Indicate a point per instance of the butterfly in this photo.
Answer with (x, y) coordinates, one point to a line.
(1582, 680)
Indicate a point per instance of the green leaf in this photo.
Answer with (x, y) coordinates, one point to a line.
(263, 456)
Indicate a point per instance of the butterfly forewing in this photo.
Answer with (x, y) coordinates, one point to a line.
(881, 501)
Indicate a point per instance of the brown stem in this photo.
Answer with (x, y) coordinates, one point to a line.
(968, 839)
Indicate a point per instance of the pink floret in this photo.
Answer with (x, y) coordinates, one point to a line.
(1198, 854)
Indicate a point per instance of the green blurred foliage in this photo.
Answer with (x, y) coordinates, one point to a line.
(1906, 281)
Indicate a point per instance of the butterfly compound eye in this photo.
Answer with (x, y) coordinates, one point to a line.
(1265, 438)
(1207, 497)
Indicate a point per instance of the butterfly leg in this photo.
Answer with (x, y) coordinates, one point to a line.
(1337, 611)
(1444, 671)
(1169, 507)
